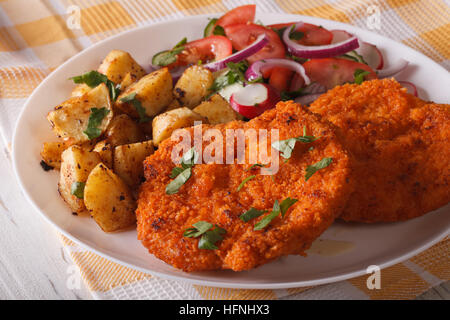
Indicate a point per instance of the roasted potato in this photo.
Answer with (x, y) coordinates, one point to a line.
(167, 122)
(71, 118)
(128, 161)
(175, 104)
(76, 165)
(154, 93)
(80, 90)
(123, 130)
(109, 200)
(217, 110)
(119, 65)
(193, 86)
(51, 153)
(105, 150)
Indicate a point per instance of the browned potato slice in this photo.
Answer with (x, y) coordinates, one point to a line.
(128, 161)
(193, 86)
(217, 110)
(175, 104)
(80, 90)
(70, 119)
(105, 150)
(76, 165)
(118, 65)
(109, 200)
(123, 130)
(154, 92)
(51, 153)
(167, 122)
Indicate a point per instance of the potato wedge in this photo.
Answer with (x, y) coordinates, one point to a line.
(80, 90)
(118, 65)
(71, 118)
(175, 104)
(109, 200)
(123, 130)
(128, 161)
(76, 165)
(217, 110)
(193, 86)
(167, 122)
(105, 150)
(154, 92)
(51, 153)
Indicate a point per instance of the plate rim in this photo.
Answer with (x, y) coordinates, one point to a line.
(212, 283)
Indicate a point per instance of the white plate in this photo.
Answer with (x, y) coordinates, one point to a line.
(379, 244)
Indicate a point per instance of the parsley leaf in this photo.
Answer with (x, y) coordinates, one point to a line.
(235, 74)
(77, 189)
(131, 98)
(354, 56)
(359, 75)
(287, 146)
(251, 214)
(167, 57)
(310, 170)
(295, 35)
(276, 210)
(94, 78)
(244, 182)
(255, 165)
(175, 185)
(95, 119)
(183, 173)
(208, 237)
(199, 228)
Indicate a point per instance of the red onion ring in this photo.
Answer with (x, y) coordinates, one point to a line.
(257, 45)
(399, 66)
(410, 87)
(306, 100)
(255, 70)
(325, 51)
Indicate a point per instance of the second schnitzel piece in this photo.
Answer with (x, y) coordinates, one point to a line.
(401, 146)
(220, 194)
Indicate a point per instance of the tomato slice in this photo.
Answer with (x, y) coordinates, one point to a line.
(312, 35)
(280, 78)
(242, 35)
(331, 72)
(204, 50)
(242, 14)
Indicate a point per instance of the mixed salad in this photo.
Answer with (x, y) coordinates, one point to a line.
(257, 65)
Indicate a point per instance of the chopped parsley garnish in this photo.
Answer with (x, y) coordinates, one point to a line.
(295, 35)
(94, 78)
(310, 170)
(251, 214)
(208, 237)
(95, 119)
(235, 74)
(183, 173)
(287, 146)
(255, 165)
(77, 189)
(131, 98)
(244, 182)
(354, 56)
(359, 75)
(276, 210)
(167, 57)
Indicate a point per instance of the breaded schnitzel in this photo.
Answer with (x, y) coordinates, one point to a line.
(401, 145)
(211, 195)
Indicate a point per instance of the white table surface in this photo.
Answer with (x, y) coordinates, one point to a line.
(33, 263)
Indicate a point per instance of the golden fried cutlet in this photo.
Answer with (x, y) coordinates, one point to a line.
(211, 195)
(401, 146)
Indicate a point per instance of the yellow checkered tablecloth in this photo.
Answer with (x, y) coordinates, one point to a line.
(35, 39)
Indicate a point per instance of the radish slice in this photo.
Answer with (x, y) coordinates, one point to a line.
(412, 89)
(340, 36)
(257, 68)
(257, 45)
(254, 99)
(325, 51)
(399, 66)
(306, 100)
(371, 55)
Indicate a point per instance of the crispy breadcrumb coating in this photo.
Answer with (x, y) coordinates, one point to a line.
(210, 195)
(401, 145)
